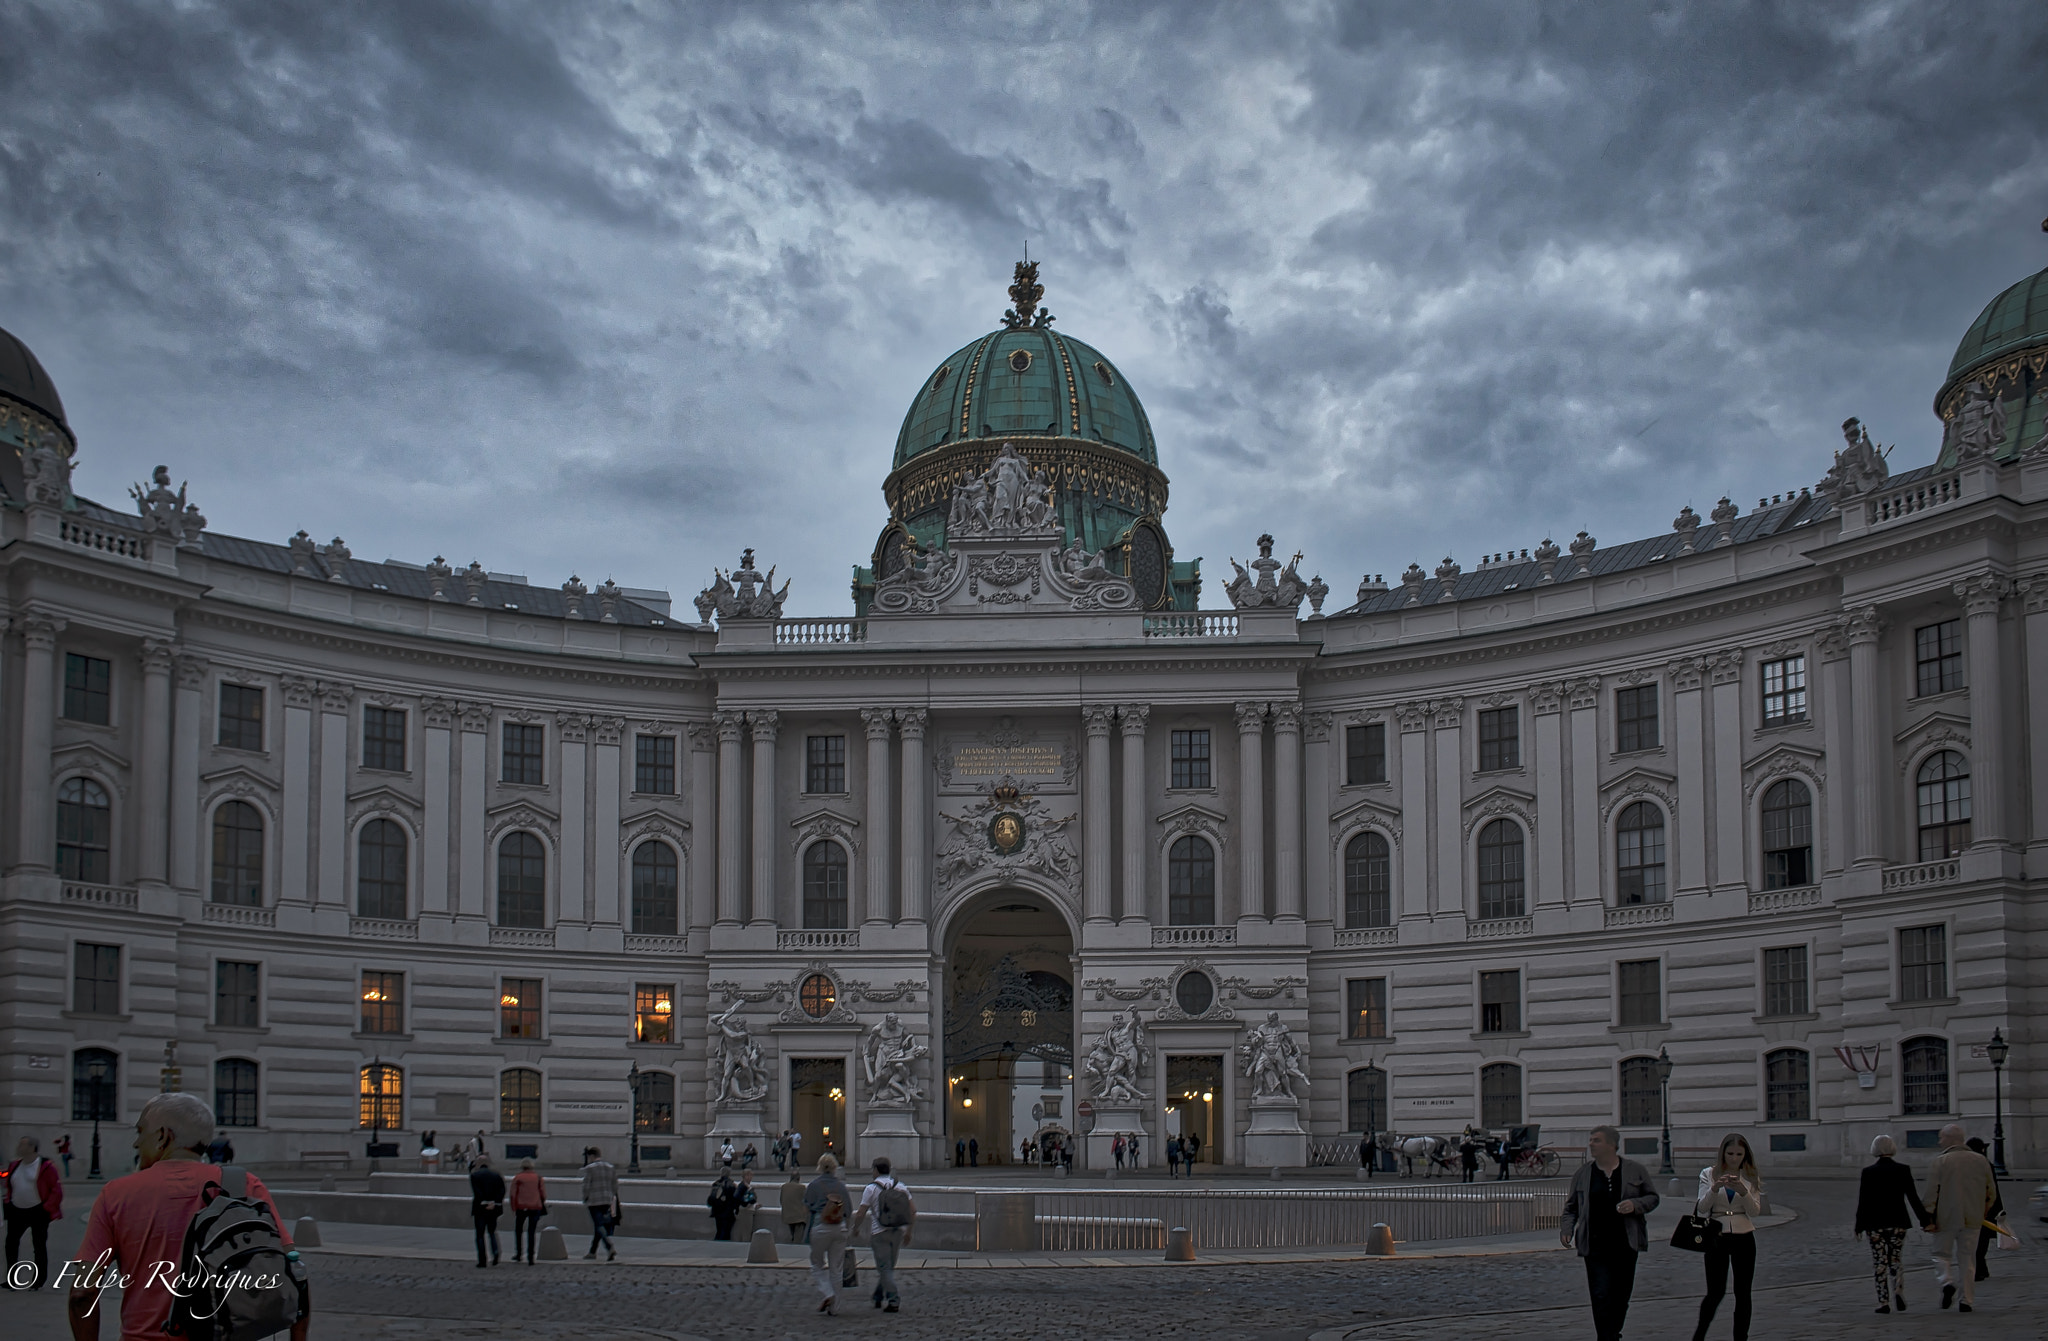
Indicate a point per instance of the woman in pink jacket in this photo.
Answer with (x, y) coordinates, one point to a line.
(529, 1203)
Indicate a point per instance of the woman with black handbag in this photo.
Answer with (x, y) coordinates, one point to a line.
(1731, 1191)
(1882, 1202)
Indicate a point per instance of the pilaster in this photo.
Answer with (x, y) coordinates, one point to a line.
(1724, 671)
(572, 730)
(1251, 811)
(187, 711)
(1689, 747)
(916, 864)
(1131, 719)
(1096, 836)
(607, 773)
(296, 762)
(1546, 709)
(153, 765)
(762, 724)
(700, 891)
(1287, 900)
(732, 821)
(437, 773)
(331, 838)
(1315, 866)
(1869, 711)
(1415, 874)
(875, 900)
(1981, 595)
(1448, 719)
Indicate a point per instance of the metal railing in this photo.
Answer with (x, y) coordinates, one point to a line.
(1781, 900)
(1192, 624)
(1921, 497)
(819, 632)
(1923, 874)
(1113, 1220)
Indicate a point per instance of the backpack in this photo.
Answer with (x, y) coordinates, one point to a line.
(239, 1281)
(835, 1210)
(892, 1207)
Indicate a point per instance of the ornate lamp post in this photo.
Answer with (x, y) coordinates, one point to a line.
(633, 1115)
(1664, 1088)
(1996, 1050)
(376, 1108)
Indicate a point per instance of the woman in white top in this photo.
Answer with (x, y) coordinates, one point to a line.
(1730, 1192)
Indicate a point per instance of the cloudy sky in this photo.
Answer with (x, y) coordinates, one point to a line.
(622, 288)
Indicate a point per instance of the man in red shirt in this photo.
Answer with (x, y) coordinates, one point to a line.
(34, 1196)
(137, 1227)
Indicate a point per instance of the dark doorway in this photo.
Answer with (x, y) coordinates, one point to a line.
(817, 1105)
(1194, 1093)
(1009, 1031)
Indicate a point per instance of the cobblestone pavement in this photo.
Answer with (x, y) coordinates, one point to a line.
(1812, 1277)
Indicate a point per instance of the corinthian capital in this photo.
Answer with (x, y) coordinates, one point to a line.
(1863, 627)
(878, 721)
(762, 724)
(732, 726)
(1251, 718)
(1981, 593)
(1132, 716)
(1097, 718)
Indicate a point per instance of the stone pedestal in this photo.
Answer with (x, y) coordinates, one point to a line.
(1112, 1121)
(738, 1123)
(1276, 1138)
(891, 1132)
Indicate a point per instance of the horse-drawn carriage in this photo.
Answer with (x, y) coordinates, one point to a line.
(1521, 1150)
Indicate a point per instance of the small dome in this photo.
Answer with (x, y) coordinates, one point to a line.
(23, 380)
(2005, 349)
(1031, 382)
(2016, 319)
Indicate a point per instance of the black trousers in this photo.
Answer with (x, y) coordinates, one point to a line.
(1725, 1250)
(487, 1230)
(35, 1222)
(525, 1225)
(1610, 1280)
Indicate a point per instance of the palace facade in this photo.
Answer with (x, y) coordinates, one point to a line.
(362, 850)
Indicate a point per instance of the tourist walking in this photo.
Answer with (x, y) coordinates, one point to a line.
(601, 1199)
(725, 1154)
(724, 1202)
(1116, 1151)
(1960, 1193)
(1131, 1154)
(748, 1156)
(529, 1204)
(64, 1152)
(795, 1214)
(960, 1152)
(1173, 1157)
(1468, 1157)
(1190, 1148)
(780, 1150)
(1730, 1192)
(1603, 1222)
(486, 1204)
(1369, 1154)
(796, 1149)
(973, 1153)
(1883, 1202)
(888, 1212)
(34, 1197)
(1987, 1231)
(827, 1200)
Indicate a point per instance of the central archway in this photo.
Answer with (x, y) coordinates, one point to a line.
(1008, 1040)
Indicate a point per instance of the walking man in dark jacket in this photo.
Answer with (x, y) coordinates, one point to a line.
(1604, 1223)
(486, 1204)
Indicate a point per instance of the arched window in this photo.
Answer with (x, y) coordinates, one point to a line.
(1500, 1095)
(522, 881)
(519, 1099)
(238, 854)
(1365, 1098)
(1944, 804)
(1639, 855)
(1923, 1077)
(380, 870)
(95, 1091)
(85, 825)
(654, 889)
(1191, 883)
(1367, 900)
(1639, 1097)
(1787, 1076)
(825, 886)
(654, 1104)
(1500, 872)
(234, 1092)
(1788, 835)
(381, 1097)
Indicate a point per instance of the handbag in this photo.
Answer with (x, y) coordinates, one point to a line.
(1694, 1233)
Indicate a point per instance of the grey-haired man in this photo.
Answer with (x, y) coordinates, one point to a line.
(1604, 1222)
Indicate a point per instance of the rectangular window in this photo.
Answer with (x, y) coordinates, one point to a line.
(1938, 657)
(1923, 963)
(1500, 739)
(1785, 981)
(1368, 1006)
(1635, 718)
(654, 1013)
(1500, 1002)
(384, 739)
(654, 765)
(522, 762)
(1784, 691)
(383, 1002)
(825, 763)
(241, 717)
(96, 979)
(234, 1092)
(519, 1008)
(1365, 754)
(88, 689)
(234, 994)
(1190, 760)
(1641, 1001)
(1787, 1087)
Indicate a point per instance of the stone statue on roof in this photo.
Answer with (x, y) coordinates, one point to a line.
(1979, 428)
(1277, 586)
(165, 511)
(1859, 466)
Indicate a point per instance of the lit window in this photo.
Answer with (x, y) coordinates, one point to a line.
(817, 996)
(654, 1104)
(519, 1100)
(519, 1008)
(1367, 1007)
(381, 1097)
(654, 1013)
(383, 1002)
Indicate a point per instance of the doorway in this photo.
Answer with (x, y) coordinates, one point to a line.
(817, 1105)
(1009, 1032)
(1194, 1089)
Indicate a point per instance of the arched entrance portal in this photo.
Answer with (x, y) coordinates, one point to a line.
(1009, 1042)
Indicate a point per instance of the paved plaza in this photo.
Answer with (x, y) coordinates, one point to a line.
(374, 1283)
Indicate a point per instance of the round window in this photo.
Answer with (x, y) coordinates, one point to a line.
(1020, 360)
(817, 996)
(1195, 993)
(1148, 567)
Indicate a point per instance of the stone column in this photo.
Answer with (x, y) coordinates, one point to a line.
(1131, 718)
(185, 728)
(153, 765)
(1872, 719)
(37, 850)
(1838, 729)
(875, 897)
(732, 817)
(1449, 720)
(1584, 697)
(1414, 782)
(761, 727)
(476, 890)
(1689, 752)
(573, 731)
(1315, 865)
(1251, 810)
(1287, 811)
(1724, 670)
(296, 763)
(607, 773)
(437, 770)
(330, 837)
(1981, 595)
(702, 886)
(916, 847)
(2033, 592)
(1546, 709)
(1095, 867)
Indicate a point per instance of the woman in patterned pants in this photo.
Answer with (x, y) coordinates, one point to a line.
(1882, 1204)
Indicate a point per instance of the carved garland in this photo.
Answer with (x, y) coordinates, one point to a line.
(675, 831)
(825, 824)
(522, 816)
(1925, 744)
(1497, 806)
(1635, 789)
(1107, 989)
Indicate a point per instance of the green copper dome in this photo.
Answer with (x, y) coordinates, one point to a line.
(1029, 381)
(2016, 319)
(23, 380)
(2006, 350)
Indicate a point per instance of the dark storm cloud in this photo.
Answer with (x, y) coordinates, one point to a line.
(624, 289)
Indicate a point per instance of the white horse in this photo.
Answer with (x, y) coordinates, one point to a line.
(1434, 1151)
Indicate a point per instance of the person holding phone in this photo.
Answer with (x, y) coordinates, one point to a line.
(1731, 1191)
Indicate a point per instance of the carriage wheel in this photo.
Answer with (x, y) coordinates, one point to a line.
(1549, 1158)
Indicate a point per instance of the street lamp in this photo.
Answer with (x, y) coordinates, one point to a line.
(376, 1108)
(1664, 1088)
(633, 1083)
(1996, 1051)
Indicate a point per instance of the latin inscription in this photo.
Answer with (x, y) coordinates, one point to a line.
(994, 761)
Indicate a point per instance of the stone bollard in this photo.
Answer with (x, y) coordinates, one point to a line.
(761, 1248)
(306, 1233)
(327, 1183)
(1362, 1174)
(1180, 1244)
(1380, 1241)
(551, 1246)
(1275, 1174)
(1109, 1174)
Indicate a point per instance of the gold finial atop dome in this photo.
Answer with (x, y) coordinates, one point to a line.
(1025, 291)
